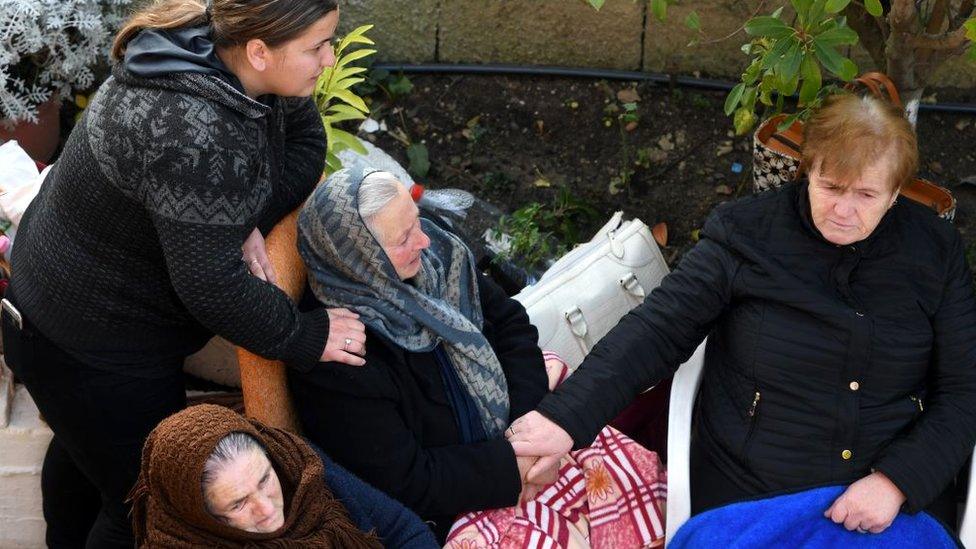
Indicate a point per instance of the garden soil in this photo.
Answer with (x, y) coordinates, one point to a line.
(514, 140)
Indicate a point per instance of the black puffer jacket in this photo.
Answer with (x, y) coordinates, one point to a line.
(818, 355)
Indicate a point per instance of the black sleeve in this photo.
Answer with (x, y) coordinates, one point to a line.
(923, 461)
(516, 343)
(353, 414)
(650, 342)
(202, 215)
(303, 159)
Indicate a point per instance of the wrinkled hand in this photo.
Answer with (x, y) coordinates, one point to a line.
(532, 488)
(869, 505)
(534, 435)
(347, 338)
(525, 463)
(255, 255)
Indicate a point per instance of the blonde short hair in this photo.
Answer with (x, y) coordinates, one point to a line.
(849, 133)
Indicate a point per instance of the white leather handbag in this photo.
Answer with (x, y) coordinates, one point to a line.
(584, 294)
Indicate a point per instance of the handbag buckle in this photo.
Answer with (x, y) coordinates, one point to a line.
(576, 322)
(632, 285)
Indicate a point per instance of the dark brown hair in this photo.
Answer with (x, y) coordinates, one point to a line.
(234, 22)
(849, 133)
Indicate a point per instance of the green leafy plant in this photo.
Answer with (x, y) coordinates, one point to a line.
(400, 85)
(567, 214)
(787, 58)
(906, 39)
(335, 99)
(798, 55)
(393, 85)
(628, 116)
(419, 160)
(541, 233)
(529, 246)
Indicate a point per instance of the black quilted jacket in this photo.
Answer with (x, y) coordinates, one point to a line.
(823, 362)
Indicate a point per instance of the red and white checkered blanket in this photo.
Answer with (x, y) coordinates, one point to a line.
(611, 495)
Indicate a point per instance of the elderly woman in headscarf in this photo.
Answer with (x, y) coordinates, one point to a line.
(450, 361)
(211, 478)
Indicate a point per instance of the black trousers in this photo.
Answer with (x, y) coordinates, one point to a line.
(100, 417)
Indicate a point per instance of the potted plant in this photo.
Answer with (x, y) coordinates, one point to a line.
(48, 49)
(790, 55)
(906, 40)
(792, 48)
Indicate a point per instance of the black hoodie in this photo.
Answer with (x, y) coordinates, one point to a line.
(159, 52)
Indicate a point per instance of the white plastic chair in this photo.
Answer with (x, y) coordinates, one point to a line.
(684, 391)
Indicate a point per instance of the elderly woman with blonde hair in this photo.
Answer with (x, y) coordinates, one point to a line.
(841, 329)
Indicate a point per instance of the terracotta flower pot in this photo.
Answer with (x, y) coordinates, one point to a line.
(38, 140)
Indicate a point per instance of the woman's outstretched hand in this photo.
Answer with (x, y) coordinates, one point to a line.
(534, 435)
(255, 255)
(869, 505)
(347, 338)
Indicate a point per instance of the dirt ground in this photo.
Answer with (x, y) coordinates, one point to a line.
(516, 140)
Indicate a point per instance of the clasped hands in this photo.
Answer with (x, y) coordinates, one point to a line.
(539, 446)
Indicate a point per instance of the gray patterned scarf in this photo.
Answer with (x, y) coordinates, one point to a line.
(348, 268)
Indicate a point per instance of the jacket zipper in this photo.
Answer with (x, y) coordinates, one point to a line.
(753, 419)
(755, 404)
(918, 402)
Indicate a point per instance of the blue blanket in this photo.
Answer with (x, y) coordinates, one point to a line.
(796, 520)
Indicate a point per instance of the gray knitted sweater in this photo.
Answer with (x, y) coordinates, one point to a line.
(131, 253)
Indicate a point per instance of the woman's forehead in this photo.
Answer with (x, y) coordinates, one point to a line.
(399, 215)
(238, 477)
(876, 174)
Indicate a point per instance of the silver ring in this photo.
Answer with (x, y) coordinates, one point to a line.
(347, 343)
(255, 260)
(861, 530)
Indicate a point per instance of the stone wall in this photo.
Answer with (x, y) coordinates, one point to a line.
(623, 35)
(23, 442)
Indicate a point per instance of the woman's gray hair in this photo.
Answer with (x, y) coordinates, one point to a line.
(376, 191)
(227, 450)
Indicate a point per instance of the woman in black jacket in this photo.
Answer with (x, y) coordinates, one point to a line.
(841, 330)
(130, 257)
(450, 361)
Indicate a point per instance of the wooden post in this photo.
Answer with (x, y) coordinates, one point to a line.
(263, 381)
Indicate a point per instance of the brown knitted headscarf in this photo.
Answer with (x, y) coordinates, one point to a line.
(168, 508)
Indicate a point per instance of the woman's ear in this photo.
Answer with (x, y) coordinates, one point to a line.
(258, 54)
